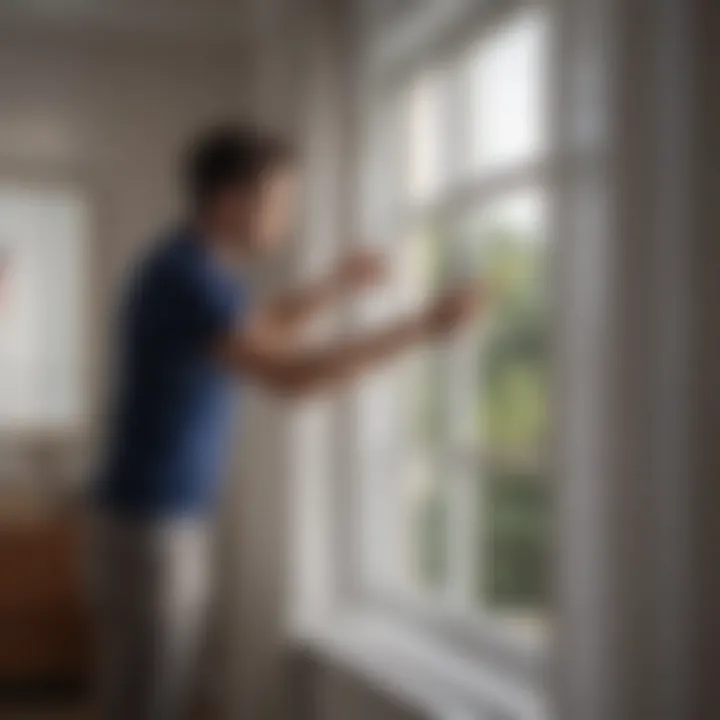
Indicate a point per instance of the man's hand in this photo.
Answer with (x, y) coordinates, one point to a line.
(454, 309)
(362, 269)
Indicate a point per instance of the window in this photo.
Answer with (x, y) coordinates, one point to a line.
(507, 93)
(43, 249)
(455, 488)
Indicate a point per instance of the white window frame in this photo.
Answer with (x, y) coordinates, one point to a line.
(482, 638)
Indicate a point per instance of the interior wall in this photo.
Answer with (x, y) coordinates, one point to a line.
(638, 630)
(110, 111)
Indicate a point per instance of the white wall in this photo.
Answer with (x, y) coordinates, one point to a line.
(110, 110)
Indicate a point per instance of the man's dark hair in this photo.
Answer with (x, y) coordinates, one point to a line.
(230, 156)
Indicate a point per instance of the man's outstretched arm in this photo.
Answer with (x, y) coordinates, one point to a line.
(290, 312)
(256, 354)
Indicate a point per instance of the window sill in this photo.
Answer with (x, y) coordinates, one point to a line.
(419, 673)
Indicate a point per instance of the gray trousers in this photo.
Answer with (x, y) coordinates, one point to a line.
(151, 585)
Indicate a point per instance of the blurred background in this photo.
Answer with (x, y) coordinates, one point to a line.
(514, 526)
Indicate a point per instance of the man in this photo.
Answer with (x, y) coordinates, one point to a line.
(189, 328)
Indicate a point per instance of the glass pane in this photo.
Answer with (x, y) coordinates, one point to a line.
(507, 94)
(422, 482)
(507, 240)
(515, 514)
(421, 133)
(422, 265)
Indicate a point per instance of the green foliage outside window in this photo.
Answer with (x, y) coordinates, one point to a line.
(514, 499)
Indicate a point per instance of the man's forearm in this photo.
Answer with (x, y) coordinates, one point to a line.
(337, 364)
(257, 355)
(295, 308)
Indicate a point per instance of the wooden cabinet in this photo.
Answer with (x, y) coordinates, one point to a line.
(44, 618)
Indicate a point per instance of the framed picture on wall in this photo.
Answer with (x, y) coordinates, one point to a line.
(43, 281)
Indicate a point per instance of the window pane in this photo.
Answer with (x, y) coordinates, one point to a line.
(507, 94)
(421, 130)
(470, 493)
(513, 494)
(424, 492)
(515, 514)
(509, 239)
(422, 265)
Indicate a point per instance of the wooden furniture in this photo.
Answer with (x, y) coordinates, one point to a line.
(44, 619)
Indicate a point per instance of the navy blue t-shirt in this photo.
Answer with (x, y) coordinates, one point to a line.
(172, 418)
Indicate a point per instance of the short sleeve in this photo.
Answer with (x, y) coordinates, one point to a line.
(212, 305)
